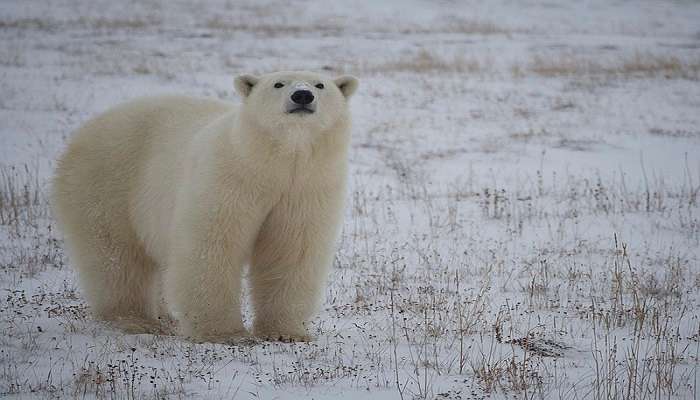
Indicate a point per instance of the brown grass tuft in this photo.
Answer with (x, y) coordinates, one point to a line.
(640, 65)
(426, 61)
(271, 29)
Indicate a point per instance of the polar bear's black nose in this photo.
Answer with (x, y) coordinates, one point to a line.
(303, 97)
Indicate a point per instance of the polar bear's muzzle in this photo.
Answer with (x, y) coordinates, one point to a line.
(301, 102)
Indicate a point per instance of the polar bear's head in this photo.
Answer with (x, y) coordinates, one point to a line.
(284, 101)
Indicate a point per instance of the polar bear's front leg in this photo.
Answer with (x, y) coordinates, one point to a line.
(203, 283)
(203, 289)
(291, 260)
(284, 298)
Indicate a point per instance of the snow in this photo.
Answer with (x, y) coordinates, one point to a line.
(523, 213)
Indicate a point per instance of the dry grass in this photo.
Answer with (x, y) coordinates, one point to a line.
(24, 218)
(271, 29)
(267, 23)
(426, 61)
(458, 25)
(43, 24)
(683, 133)
(83, 22)
(639, 65)
(21, 200)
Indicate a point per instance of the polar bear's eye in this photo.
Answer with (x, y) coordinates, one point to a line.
(319, 85)
(279, 85)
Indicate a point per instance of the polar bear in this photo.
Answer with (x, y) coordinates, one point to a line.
(164, 200)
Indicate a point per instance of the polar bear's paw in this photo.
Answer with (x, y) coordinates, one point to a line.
(135, 326)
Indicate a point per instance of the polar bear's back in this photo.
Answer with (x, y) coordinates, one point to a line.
(101, 176)
(132, 125)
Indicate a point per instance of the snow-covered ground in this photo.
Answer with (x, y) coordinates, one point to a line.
(523, 219)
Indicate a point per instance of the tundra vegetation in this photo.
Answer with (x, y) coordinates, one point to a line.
(522, 220)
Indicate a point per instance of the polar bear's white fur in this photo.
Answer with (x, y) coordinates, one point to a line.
(164, 200)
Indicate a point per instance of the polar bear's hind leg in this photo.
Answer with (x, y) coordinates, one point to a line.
(116, 275)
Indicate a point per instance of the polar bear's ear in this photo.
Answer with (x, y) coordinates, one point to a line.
(244, 84)
(347, 85)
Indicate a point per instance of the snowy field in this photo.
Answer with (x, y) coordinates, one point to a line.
(523, 219)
